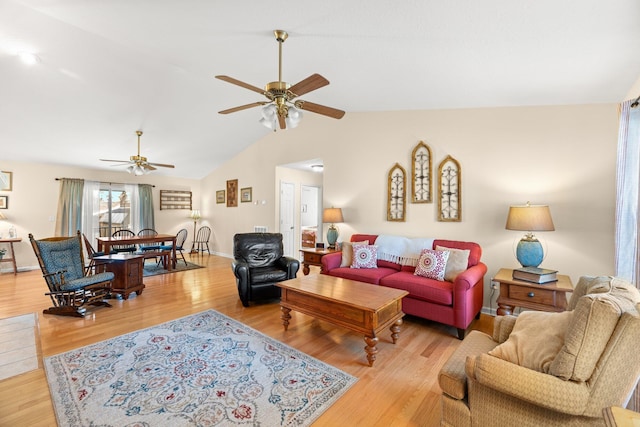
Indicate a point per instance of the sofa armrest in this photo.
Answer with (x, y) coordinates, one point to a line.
(470, 278)
(531, 386)
(331, 261)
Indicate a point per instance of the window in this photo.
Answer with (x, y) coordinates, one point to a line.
(114, 209)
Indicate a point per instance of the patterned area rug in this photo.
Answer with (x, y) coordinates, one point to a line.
(152, 269)
(205, 369)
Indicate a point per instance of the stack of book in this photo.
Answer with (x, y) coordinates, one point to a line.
(535, 275)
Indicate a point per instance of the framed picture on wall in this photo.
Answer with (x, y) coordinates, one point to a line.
(245, 194)
(220, 196)
(4, 202)
(6, 179)
(232, 193)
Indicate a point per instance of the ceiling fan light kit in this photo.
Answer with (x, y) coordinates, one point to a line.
(138, 165)
(281, 110)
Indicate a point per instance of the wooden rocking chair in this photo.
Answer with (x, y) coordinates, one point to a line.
(72, 286)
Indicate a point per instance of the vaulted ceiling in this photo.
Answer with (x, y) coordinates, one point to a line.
(110, 67)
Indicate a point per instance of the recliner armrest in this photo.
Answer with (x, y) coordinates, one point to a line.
(241, 271)
(531, 386)
(291, 265)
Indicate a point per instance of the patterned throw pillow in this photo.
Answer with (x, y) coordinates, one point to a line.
(432, 264)
(364, 256)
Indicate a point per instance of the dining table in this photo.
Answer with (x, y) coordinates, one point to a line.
(105, 243)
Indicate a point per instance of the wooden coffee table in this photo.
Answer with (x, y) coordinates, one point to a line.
(357, 306)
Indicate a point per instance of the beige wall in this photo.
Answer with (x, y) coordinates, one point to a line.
(563, 156)
(34, 201)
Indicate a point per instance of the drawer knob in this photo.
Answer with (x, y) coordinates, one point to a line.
(531, 294)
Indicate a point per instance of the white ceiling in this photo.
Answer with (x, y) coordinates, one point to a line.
(110, 67)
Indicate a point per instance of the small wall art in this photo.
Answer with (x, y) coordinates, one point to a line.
(245, 194)
(449, 191)
(220, 196)
(421, 174)
(232, 193)
(396, 193)
(4, 202)
(6, 181)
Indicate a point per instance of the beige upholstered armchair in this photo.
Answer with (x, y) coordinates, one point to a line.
(543, 369)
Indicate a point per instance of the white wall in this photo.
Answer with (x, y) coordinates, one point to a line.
(563, 156)
(34, 199)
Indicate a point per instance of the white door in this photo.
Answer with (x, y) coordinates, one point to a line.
(287, 205)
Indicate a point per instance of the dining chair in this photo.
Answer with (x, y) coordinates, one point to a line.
(202, 240)
(181, 236)
(124, 248)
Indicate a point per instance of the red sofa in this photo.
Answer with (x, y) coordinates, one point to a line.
(452, 303)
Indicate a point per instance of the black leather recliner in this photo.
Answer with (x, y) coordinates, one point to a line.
(259, 263)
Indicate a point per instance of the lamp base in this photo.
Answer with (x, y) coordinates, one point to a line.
(529, 253)
(332, 236)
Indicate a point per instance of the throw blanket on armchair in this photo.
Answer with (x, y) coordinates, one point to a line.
(401, 250)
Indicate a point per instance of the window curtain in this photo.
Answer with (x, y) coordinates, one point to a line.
(91, 211)
(69, 218)
(627, 265)
(134, 211)
(145, 197)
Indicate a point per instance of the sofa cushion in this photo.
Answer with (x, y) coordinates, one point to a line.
(432, 264)
(364, 256)
(367, 275)
(421, 288)
(362, 237)
(535, 340)
(595, 317)
(457, 262)
(347, 252)
(590, 285)
(475, 251)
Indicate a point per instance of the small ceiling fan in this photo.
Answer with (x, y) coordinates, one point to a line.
(282, 107)
(138, 165)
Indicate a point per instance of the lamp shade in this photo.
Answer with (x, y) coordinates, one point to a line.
(332, 215)
(530, 218)
(195, 215)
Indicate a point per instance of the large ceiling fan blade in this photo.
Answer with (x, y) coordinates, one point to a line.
(313, 82)
(148, 166)
(117, 161)
(161, 165)
(320, 109)
(242, 107)
(241, 84)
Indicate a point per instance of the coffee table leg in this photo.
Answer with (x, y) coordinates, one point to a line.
(371, 348)
(395, 330)
(285, 316)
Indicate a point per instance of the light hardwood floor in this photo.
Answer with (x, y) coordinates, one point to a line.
(401, 389)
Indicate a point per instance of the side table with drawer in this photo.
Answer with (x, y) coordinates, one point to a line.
(313, 257)
(519, 293)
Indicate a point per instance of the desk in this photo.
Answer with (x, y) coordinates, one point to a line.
(12, 257)
(518, 293)
(105, 243)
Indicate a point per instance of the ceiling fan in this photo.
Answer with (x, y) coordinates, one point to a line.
(283, 108)
(138, 165)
